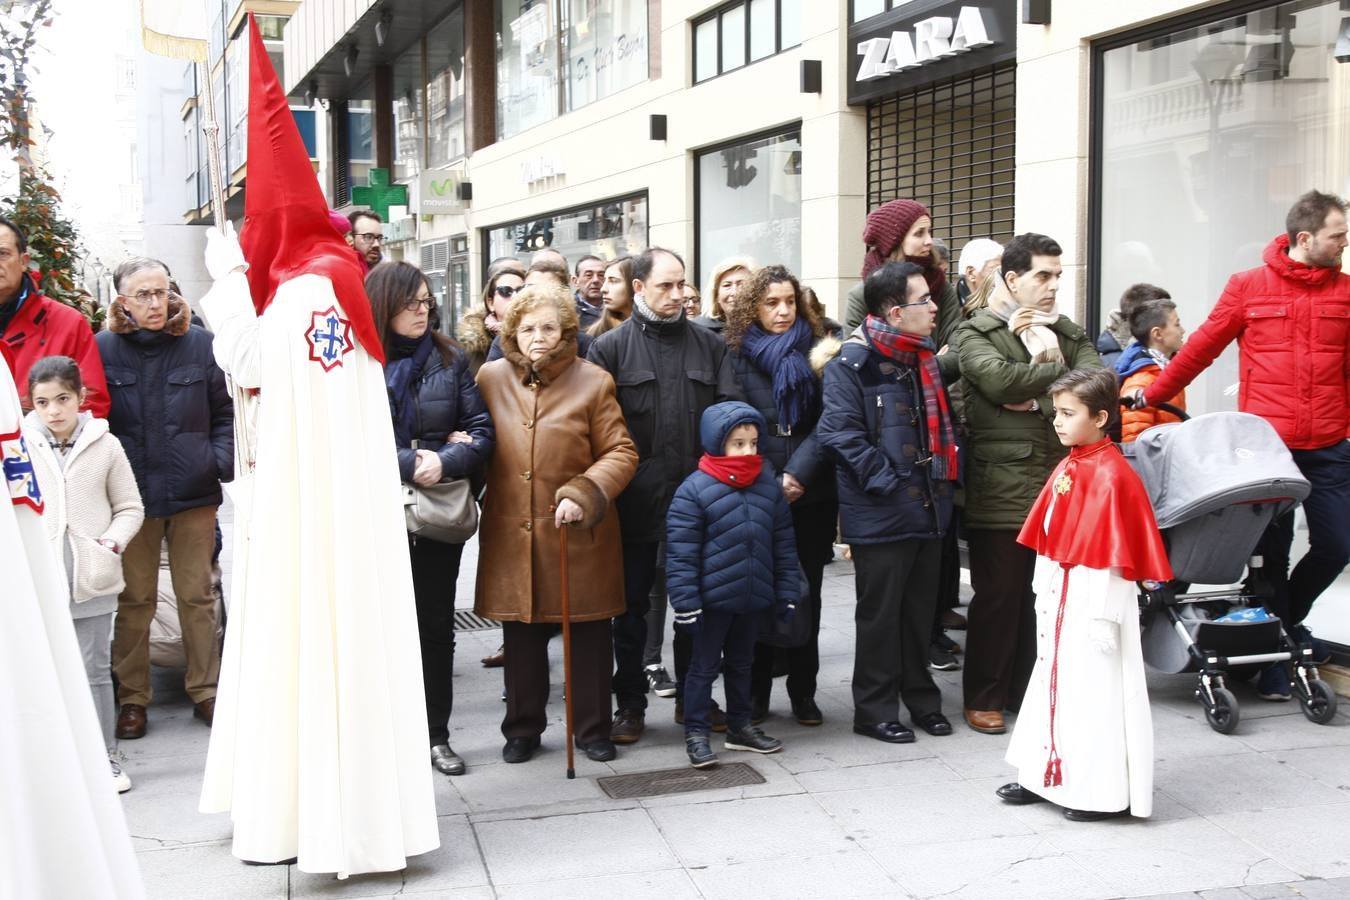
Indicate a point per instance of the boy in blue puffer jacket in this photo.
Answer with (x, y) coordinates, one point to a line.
(731, 556)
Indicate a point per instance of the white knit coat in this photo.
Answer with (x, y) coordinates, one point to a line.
(92, 498)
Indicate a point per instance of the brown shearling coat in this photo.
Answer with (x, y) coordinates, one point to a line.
(560, 435)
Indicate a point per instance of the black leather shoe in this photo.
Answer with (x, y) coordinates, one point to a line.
(519, 749)
(935, 723)
(1092, 815)
(890, 732)
(600, 751)
(1017, 795)
(806, 712)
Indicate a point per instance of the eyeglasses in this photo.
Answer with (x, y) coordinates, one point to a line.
(416, 303)
(505, 291)
(143, 298)
(367, 237)
(924, 302)
(547, 331)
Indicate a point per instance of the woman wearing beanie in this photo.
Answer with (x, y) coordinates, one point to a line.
(902, 230)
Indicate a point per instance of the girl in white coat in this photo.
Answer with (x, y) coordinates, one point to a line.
(93, 510)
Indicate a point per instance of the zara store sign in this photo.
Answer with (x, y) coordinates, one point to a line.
(926, 41)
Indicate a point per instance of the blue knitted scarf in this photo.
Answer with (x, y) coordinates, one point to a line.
(796, 390)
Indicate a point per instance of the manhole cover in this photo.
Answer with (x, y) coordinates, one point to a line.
(466, 620)
(679, 781)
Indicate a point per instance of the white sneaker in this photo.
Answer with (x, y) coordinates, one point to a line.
(120, 779)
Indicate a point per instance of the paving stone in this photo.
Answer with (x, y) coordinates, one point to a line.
(928, 770)
(455, 864)
(939, 869)
(1329, 765)
(1313, 841)
(847, 873)
(920, 814)
(669, 884)
(723, 834)
(1250, 781)
(208, 872)
(519, 851)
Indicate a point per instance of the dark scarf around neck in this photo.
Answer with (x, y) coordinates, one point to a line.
(407, 360)
(783, 357)
(917, 352)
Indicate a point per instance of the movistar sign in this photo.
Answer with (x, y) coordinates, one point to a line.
(438, 192)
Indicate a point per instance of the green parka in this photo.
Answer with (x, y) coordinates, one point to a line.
(1010, 454)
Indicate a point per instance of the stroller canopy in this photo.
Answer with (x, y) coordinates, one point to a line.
(1208, 462)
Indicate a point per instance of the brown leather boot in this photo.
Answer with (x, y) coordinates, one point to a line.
(206, 711)
(986, 721)
(130, 722)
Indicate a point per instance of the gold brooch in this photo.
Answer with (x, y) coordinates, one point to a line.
(1063, 483)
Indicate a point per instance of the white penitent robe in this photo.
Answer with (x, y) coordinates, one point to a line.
(319, 746)
(62, 832)
(1103, 725)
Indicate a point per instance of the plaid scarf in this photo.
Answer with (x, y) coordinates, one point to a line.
(917, 353)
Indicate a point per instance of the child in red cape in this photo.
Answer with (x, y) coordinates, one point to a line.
(1084, 736)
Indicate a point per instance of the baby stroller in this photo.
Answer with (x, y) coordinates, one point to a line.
(1216, 481)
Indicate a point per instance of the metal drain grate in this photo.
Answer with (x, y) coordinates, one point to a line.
(470, 621)
(679, 781)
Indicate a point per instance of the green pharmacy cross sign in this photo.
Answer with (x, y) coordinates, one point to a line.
(380, 194)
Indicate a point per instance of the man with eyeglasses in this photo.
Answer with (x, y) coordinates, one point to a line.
(175, 419)
(367, 236)
(888, 423)
(33, 325)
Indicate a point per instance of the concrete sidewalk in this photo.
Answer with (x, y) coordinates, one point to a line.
(1259, 814)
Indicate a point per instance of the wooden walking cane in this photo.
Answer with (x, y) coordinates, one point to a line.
(567, 649)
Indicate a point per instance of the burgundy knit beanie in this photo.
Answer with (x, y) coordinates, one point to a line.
(886, 227)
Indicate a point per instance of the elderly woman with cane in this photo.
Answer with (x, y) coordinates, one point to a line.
(563, 454)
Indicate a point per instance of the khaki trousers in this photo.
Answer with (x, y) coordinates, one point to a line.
(192, 540)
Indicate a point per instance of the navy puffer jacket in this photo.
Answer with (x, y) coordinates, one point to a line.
(730, 549)
(170, 409)
(447, 400)
(874, 427)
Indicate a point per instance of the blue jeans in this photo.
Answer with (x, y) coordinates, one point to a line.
(724, 642)
(1328, 512)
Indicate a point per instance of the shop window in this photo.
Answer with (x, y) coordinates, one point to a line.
(745, 31)
(949, 145)
(445, 90)
(866, 9)
(555, 56)
(750, 202)
(607, 229)
(1207, 132)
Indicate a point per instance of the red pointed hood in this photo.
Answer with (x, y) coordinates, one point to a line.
(287, 232)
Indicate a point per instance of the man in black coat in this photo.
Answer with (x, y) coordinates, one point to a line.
(666, 374)
(174, 417)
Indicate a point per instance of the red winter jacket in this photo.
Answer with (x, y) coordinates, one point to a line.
(46, 327)
(1292, 324)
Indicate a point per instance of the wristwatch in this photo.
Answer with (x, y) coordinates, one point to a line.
(110, 544)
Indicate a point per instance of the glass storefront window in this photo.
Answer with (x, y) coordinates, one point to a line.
(554, 56)
(744, 31)
(608, 230)
(606, 48)
(750, 202)
(733, 38)
(1209, 134)
(409, 137)
(445, 90)
(360, 141)
(1208, 137)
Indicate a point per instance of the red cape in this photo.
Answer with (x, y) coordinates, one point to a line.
(287, 231)
(1102, 519)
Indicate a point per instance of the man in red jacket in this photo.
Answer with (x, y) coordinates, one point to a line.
(34, 326)
(1291, 318)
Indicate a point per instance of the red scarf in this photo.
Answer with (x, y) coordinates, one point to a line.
(1092, 484)
(738, 471)
(917, 353)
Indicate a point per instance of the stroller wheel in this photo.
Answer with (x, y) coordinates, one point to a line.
(1224, 714)
(1320, 704)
